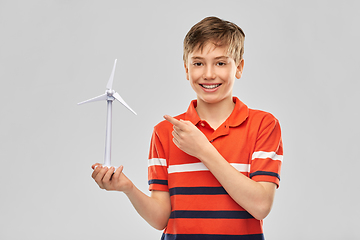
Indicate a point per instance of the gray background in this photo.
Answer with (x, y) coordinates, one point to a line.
(301, 64)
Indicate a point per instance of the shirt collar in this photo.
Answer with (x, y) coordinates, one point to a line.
(238, 115)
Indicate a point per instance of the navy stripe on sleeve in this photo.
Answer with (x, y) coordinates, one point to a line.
(264, 173)
(211, 214)
(157, 181)
(197, 191)
(211, 237)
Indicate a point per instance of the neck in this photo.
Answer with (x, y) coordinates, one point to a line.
(215, 113)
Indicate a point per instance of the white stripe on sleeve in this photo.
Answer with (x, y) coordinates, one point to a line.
(264, 155)
(157, 162)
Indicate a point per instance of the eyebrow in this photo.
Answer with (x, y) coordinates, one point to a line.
(215, 58)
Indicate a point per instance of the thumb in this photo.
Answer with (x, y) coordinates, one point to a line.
(118, 171)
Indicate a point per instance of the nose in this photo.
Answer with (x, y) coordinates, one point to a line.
(209, 72)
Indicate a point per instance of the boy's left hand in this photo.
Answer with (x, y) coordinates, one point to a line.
(188, 137)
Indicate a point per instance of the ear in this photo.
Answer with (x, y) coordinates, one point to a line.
(239, 69)
(186, 71)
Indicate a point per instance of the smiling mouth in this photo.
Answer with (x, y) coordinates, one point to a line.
(212, 86)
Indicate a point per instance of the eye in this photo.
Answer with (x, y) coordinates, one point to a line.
(221, 64)
(197, 64)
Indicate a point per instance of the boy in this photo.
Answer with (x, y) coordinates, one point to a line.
(213, 170)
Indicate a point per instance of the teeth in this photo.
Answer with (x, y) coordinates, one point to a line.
(210, 86)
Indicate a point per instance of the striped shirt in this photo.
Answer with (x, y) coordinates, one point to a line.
(250, 140)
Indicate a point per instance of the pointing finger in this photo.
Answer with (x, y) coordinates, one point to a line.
(172, 120)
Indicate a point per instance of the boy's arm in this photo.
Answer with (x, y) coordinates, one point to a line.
(254, 197)
(155, 209)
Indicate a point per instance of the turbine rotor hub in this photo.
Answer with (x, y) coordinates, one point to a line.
(110, 92)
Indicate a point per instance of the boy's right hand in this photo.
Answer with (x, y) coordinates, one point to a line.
(108, 180)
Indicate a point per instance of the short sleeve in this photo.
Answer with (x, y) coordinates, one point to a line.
(268, 153)
(157, 165)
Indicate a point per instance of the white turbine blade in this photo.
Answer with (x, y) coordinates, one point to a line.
(118, 97)
(111, 79)
(98, 98)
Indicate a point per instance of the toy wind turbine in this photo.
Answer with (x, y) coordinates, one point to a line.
(110, 95)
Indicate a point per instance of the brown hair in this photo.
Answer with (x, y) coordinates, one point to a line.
(217, 31)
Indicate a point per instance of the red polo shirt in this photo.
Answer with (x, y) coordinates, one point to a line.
(250, 140)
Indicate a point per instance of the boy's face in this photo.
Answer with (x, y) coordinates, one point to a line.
(212, 73)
